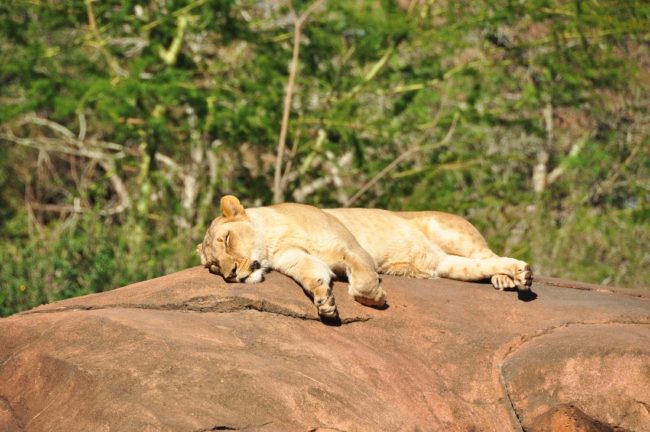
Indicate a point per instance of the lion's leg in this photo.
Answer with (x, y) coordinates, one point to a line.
(363, 280)
(504, 272)
(467, 249)
(313, 274)
(504, 277)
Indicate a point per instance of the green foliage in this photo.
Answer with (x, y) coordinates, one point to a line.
(83, 257)
(121, 123)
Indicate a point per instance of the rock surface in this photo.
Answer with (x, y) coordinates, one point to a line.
(187, 352)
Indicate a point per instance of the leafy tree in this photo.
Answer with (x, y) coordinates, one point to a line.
(121, 124)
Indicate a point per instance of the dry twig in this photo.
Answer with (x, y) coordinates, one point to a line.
(398, 160)
(293, 70)
(71, 145)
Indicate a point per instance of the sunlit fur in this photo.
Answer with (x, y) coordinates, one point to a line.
(312, 245)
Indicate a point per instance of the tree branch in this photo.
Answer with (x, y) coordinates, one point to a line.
(57, 145)
(69, 144)
(540, 170)
(293, 70)
(398, 160)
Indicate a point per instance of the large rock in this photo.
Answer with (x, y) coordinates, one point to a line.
(187, 352)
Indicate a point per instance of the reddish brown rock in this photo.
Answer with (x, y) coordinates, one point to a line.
(568, 418)
(187, 352)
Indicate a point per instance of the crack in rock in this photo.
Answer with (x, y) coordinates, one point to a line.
(219, 428)
(228, 427)
(644, 405)
(600, 289)
(6, 405)
(325, 429)
(203, 305)
(510, 348)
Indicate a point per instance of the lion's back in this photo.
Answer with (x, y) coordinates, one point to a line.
(391, 240)
(453, 233)
(305, 227)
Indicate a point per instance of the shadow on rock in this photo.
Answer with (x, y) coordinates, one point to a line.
(334, 321)
(526, 296)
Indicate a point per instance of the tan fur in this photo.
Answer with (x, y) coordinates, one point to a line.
(311, 245)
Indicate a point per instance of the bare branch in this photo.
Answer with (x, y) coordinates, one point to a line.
(398, 160)
(293, 70)
(540, 171)
(71, 145)
(561, 168)
(604, 187)
(169, 162)
(292, 154)
(118, 186)
(60, 146)
(79, 140)
(82, 125)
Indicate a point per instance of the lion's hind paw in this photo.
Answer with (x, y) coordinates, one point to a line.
(502, 281)
(521, 278)
(524, 278)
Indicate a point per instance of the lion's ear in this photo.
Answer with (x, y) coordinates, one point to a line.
(232, 208)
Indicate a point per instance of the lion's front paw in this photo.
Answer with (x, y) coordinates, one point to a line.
(324, 301)
(326, 307)
(519, 276)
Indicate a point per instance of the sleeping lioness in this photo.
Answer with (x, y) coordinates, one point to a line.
(312, 246)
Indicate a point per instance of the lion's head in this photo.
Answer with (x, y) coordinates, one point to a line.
(228, 248)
